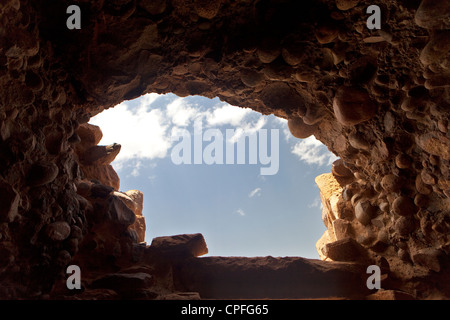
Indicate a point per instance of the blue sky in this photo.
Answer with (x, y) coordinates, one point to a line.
(239, 211)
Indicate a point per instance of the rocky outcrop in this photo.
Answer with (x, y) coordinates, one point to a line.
(379, 99)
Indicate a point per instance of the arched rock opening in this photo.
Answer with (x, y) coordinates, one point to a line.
(377, 98)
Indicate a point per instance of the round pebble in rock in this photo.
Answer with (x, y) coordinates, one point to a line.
(391, 183)
(207, 9)
(403, 161)
(339, 169)
(268, 51)
(251, 78)
(299, 129)
(42, 173)
(58, 231)
(76, 233)
(63, 258)
(384, 206)
(404, 206)
(421, 187)
(421, 200)
(346, 4)
(364, 212)
(433, 14)
(404, 226)
(353, 105)
(358, 141)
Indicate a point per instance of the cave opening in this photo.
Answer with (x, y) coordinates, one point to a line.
(378, 98)
(239, 209)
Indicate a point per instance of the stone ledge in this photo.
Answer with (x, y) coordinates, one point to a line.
(270, 278)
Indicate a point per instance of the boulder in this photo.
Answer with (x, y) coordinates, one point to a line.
(89, 134)
(180, 246)
(101, 155)
(119, 212)
(345, 249)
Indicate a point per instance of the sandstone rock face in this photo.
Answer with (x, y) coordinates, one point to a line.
(379, 99)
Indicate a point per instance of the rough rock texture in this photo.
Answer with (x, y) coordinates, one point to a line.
(379, 99)
(180, 246)
(268, 277)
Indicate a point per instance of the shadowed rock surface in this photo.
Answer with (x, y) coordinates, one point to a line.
(379, 99)
(273, 278)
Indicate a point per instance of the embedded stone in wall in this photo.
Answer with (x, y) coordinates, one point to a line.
(353, 105)
(433, 14)
(346, 4)
(42, 173)
(279, 95)
(404, 206)
(365, 212)
(207, 9)
(299, 129)
(58, 231)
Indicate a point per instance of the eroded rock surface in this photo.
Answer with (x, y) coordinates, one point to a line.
(379, 99)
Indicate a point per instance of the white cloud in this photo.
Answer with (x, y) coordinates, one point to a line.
(180, 112)
(256, 192)
(142, 134)
(135, 171)
(312, 151)
(225, 114)
(240, 212)
(145, 132)
(248, 128)
(309, 150)
(147, 100)
(316, 203)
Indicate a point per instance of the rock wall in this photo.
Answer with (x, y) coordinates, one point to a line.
(379, 99)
